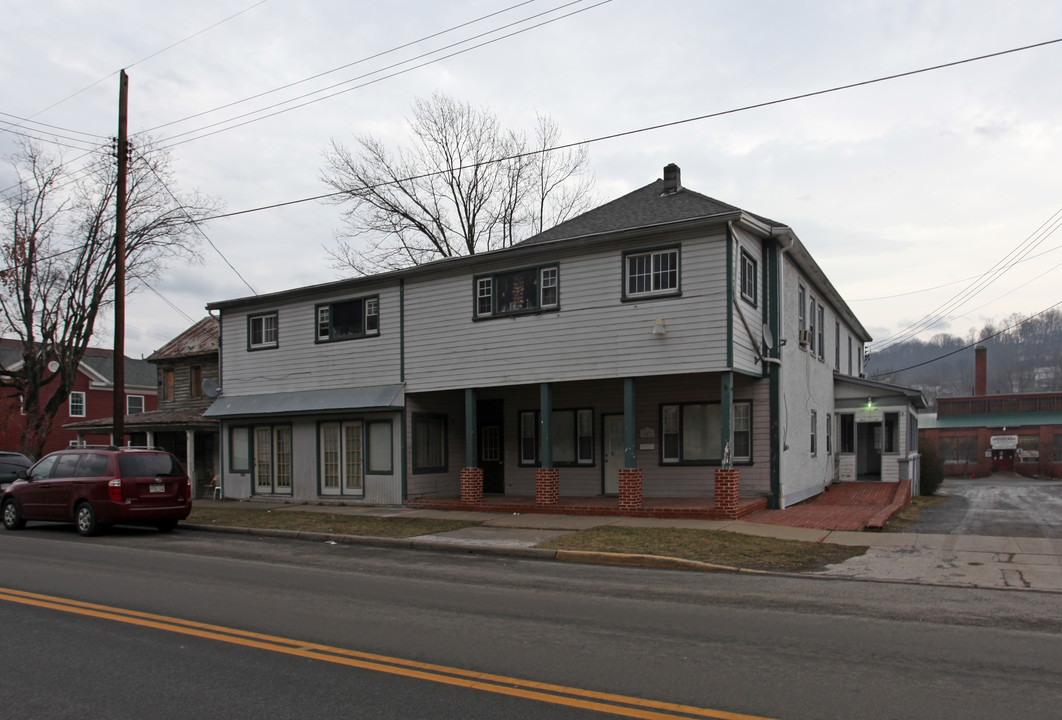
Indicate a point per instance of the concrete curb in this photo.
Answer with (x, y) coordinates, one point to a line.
(572, 556)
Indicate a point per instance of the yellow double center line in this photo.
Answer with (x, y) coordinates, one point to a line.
(500, 684)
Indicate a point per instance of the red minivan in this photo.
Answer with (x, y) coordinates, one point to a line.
(97, 486)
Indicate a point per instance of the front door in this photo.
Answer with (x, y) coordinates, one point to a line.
(612, 452)
(489, 427)
(272, 459)
(1003, 461)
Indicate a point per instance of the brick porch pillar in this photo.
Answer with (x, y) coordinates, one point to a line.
(726, 492)
(471, 484)
(630, 488)
(547, 486)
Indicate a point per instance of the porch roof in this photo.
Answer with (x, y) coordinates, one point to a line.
(380, 397)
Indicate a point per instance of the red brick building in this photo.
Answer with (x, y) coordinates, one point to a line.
(92, 396)
(982, 434)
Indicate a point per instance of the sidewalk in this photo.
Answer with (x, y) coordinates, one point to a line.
(955, 560)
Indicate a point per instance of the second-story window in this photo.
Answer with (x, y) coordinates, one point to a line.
(748, 277)
(262, 331)
(517, 291)
(77, 404)
(347, 319)
(195, 381)
(647, 274)
(167, 384)
(134, 404)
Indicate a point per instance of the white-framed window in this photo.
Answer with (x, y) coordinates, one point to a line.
(572, 432)
(814, 432)
(748, 277)
(77, 404)
(691, 433)
(348, 319)
(342, 457)
(429, 443)
(262, 331)
(651, 273)
(134, 404)
(517, 291)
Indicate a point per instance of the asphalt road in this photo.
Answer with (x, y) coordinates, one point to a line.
(999, 506)
(766, 646)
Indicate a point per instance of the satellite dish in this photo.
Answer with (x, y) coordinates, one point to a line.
(53, 366)
(210, 388)
(768, 337)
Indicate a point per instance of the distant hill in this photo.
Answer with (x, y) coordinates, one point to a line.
(1026, 357)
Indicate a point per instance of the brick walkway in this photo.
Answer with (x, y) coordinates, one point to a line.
(843, 506)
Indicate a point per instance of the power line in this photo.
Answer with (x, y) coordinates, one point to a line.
(661, 126)
(343, 67)
(370, 82)
(973, 344)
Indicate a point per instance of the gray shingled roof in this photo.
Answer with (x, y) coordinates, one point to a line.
(645, 207)
(139, 373)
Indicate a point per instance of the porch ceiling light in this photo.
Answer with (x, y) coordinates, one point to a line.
(659, 329)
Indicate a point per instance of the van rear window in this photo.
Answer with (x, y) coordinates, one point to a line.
(149, 465)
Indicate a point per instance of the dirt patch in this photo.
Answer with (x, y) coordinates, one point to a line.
(710, 546)
(365, 525)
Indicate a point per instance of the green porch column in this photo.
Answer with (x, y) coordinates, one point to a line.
(726, 416)
(471, 430)
(545, 410)
(630, 434)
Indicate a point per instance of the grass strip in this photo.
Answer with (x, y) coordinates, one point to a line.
(366, 525)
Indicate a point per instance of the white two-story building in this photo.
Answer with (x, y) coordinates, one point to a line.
(645, 343)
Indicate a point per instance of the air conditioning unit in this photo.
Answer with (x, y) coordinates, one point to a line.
(805, 338)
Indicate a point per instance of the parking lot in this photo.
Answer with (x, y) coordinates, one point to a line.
(1006, 505)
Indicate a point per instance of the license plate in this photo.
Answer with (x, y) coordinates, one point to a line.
(157, 487)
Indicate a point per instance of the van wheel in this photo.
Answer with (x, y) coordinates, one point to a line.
(166, 526)
(85, 519)
(13, 519)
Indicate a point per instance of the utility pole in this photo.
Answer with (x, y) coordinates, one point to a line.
(118, 432)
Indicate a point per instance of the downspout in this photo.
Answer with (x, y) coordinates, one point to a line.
(784, 237)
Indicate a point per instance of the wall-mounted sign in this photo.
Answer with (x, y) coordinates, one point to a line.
(1004, 442)
(647, 433)
(869, 416)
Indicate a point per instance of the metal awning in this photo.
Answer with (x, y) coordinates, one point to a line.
(380, 397)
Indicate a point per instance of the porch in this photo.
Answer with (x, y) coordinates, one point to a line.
(688, 508)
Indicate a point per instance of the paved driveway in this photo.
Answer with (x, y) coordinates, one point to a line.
(1005, 505)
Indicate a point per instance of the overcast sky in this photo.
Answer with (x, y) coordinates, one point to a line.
(904, 191)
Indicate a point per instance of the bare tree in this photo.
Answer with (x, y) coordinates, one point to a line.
(57, 264)
(463, 186)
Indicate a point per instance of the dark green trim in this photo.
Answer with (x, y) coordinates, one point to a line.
(471, 430)
(726, 411)
(521, 462)
(445, 467)
(729, 295)
(538, 309)
(402, 339)
(403, 447)
(677, 292)
(775, 259)
(630, 434)
(545, 423)
(367, 440)
(253, 316)
(710, 462)
(363, 299)
(250, 449)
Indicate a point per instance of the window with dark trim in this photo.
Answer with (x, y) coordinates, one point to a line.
(960, 450)
(837, 346)
(262, 331)
(517, 291)
(195, 381)
(348, 319)
(691, 433)
(134, 404)
(829, 434)
(1057, 453)
(748, 277)
(814, 431)
(429, 443)
(651, 273)
(892, 431)
(167, 383)
(822, 332)
(573, 437)
(801, 306)
(847, 432)
(812, 333)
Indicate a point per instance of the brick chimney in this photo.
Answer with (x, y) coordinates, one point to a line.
(672, 179)
(980, 370)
